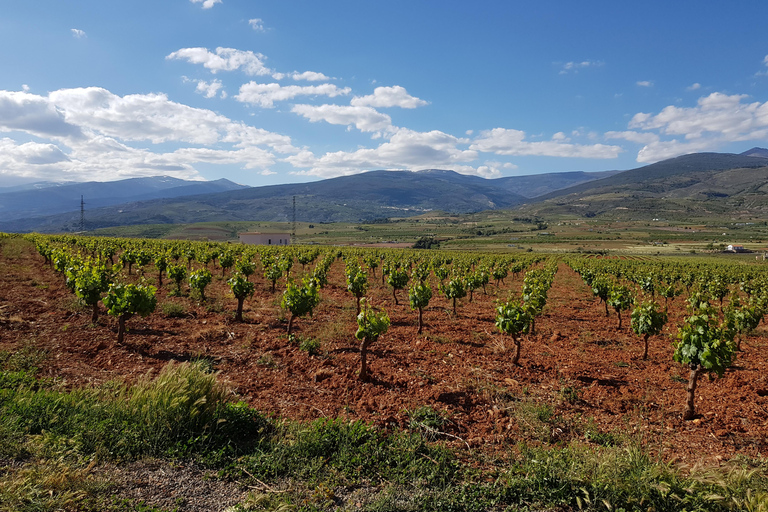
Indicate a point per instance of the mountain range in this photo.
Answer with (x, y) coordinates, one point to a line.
(361, 197)
(695, 185)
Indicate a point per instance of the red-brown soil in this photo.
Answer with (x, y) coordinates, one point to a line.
(592, 375)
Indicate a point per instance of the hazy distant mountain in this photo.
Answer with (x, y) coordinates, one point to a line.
(47, 198)
(361, 197)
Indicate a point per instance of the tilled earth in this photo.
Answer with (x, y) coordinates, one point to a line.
(586, 376)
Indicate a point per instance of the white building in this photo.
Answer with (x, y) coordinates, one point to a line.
(254, 238)
(735, 248)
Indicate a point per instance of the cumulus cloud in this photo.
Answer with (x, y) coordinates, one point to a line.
(717, 119)
(224, 59)
(394, 96)
(77, 33)
(265, 95)
(633, 136)
(309, 76)
(90, 131)
(207, 4)
(645, 83)
(693, 87)
(34, 114)
(574, 67)
(406, 149)
(210, 89)
(365, 119)
(503, 141)
(257, 24)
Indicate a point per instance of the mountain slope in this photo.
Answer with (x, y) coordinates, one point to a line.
(699, 184)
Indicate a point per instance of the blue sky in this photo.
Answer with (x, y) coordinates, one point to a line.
(276, 91)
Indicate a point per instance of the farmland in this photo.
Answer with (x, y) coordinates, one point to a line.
(581, 388)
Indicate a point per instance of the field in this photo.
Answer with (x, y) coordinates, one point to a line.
(581, 383)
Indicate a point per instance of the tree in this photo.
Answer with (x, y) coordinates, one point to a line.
(125, 300)
(500, 273)
(300, 299)
(128, 258)
(89, 281)
(226, 261)
(370, 325)
(473, 282)
(198, 280)
(419, 296)
(743, 319)
(454, 289)
(161, 264)
(241, 288)
(513, 318)
(646, 321)
(357, 282)
(272, 272)
(704, 345)
(601, 287)
(397, 279)
(245, 266)
(177, 273)
(620, 300)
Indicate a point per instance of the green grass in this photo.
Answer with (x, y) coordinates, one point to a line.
(50, 440)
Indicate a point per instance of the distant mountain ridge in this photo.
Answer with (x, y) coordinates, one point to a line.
(41, 199)
(360, 197)
(696, 184)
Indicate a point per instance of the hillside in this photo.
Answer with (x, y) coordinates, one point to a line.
(689, 186)
(361, 197)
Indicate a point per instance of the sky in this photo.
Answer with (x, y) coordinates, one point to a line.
(263, 92)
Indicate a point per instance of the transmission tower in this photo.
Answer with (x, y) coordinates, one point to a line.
(82, 214)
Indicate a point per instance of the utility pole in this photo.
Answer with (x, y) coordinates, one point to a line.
(82, 214)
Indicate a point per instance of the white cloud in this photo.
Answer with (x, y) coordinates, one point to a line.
(90, 129)
(225, 59)
(77, 33)
(265, 95)
(406, 149)
(210, 89)
(309, 76)
(502, 141)
(693, 87)
(207, 4)
(33, 114)
(395, 96)
(716, 120)
(574, 67)
(645, 83)
(632, 136)
(257, 24)
(364, 119)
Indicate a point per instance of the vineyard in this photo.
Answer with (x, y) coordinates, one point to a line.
(484, 353)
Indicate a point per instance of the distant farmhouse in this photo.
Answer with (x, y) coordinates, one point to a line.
(736, 248)
(254, 238)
